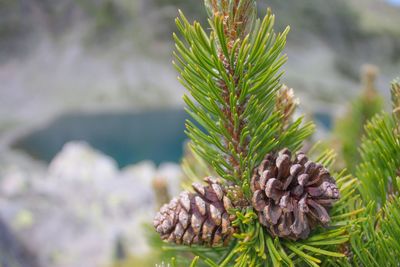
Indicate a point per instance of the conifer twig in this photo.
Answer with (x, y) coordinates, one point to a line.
(234, 19)
(286, 103)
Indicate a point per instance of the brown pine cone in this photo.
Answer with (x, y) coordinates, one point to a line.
(292, 196)
(199, 218)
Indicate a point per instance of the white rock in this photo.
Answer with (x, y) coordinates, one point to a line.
(73, 216)
(13, 182)
(78, 161)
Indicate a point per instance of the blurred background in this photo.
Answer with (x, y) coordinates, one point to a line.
(91, 116)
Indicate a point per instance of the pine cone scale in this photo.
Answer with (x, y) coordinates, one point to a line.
(184, 218)
(208, 229)
(259, 200)
(188, 237)
(179, 232)
(295, 169)
(200, 205)
(274, 190)
(272, 213)
(184, 200)
(321, 212)
(225, 223)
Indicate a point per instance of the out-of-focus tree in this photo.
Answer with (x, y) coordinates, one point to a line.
(349, 128)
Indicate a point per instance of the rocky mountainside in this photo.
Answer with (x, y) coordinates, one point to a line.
(75, 212)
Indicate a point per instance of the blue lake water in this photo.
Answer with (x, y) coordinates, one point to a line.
(325, 120)
(127, 137)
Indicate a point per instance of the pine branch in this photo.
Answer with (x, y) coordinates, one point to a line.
(380, 155)
(376, 241)
(239, 118)
(233, 77)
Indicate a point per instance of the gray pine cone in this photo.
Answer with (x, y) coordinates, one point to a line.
(292, 196)
(199, 218)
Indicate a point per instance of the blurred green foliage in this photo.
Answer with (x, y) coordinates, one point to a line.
(349, 128)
